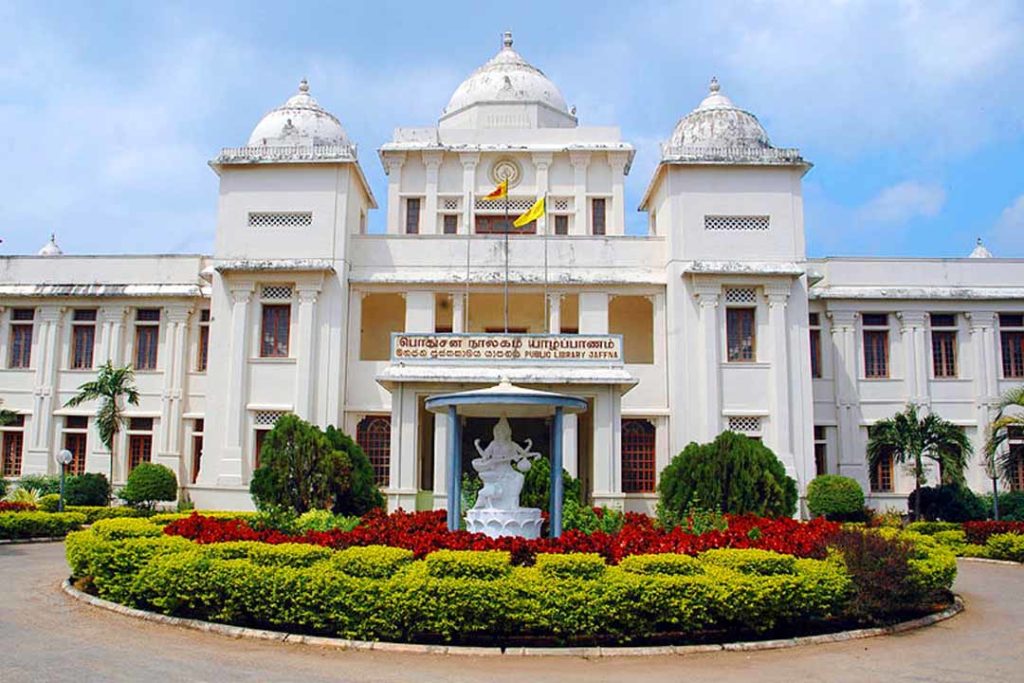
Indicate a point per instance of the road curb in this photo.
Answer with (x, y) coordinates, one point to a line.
(40, 539)
(986, 560)
(457, 650)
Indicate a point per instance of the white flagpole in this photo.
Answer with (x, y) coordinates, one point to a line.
(547, 228)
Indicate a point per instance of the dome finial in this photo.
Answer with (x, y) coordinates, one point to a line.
(304, 86)
(980, 251)
(713, 86)
(978, 242)
(506, 40)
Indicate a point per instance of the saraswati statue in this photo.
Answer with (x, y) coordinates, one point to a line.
(501, 467)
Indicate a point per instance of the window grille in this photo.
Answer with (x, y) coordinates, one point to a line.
(285, 219)
(559, 204)
(373, 434)
(23, 314)
(450, 204)
(266, 418)
(740, 295)
(736, 223)
(276, 292)
(745, 425)
(638, 469)
(516, 205)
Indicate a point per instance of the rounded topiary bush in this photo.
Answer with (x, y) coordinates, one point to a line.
(948, 503)
(149, 484)
(733, 474)
(835, 497)
(91, 488)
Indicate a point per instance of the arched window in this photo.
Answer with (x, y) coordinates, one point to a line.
(638, 475)
(373, 434)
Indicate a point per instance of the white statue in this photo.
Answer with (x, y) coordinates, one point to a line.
(501, 466)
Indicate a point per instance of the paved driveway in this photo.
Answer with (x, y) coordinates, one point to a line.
(47, 636)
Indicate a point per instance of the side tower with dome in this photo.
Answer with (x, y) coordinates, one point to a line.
(729, 204)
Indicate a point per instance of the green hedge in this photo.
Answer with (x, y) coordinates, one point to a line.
(667, 564)
(751, 561)
(94, 513)
(485, 565)
(15, 525)
(588, 566)
(1005, 547)
(372, 561)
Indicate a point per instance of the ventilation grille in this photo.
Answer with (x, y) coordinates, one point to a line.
(451, 204)
(263, 219)
(266, 418)
(740, 295)
(559, 204)
(276, 293)
(516, 205)
(745, 425)
(740, 223)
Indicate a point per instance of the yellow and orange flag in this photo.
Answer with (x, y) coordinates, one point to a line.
(532, 214)
(500, 191)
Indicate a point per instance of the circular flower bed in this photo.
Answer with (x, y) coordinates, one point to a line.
(402, 577)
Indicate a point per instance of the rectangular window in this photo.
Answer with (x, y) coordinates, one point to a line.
(274, 332)
(147, 338)
(373, 434)
(561, 225)
(75, 441)
(21, 346)
(1011, 336)
(83, 337)
(12, 442)
(820, 452)
(1016, 444)
(814, 320)
(451, 224)
(740, 335)
(944, 330)
(881, 474)
(197, 448)
(497, 225)
(638, 469)
(140, 449)
(260, 435)
(597, 216)
(412, 216)
(203, 352)
(876, 345)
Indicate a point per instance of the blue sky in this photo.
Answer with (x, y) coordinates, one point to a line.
(912, 112)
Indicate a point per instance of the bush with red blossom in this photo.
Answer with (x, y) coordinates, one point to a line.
(425, 532)
(7, 506)
(978, 532)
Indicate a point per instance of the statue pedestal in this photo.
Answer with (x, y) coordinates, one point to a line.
(492, 522)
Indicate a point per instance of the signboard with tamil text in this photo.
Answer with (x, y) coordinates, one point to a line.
(556, 349)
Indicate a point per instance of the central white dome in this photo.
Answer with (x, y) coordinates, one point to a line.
(507, 78)
(300, 121)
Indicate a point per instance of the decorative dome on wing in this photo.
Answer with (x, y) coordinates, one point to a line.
(508, 78)
(980, 251)
(300, 121)
(50, 248)
(717, 122)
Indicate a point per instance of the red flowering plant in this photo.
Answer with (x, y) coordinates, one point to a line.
(7, 506)
(978, 532)
(425, 532)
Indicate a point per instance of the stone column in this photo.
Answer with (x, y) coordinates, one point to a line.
(112, 320)
(607, 462)
(5, 352)
(458, 312)
(852, 460)
(305, 356)
(432, 163)
(46, 356)
(542, 163)
(708, 294)
(593, 312)
(915, 372)
(580, 161)
(440, 461)
(469, 162)
(982, 326)
(419, 311)
(781, 409)
(555, 314)
(236, 390)
(454, 469)
(617, 215)
(570, 444)
(175, 360)
(393, 163)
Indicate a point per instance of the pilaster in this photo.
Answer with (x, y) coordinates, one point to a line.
(555, 313)
(852, 460)
(541, 164)
(458, 313)
(235, 392)
(580, 161)
(781, 409)
(912, 330)
(708, 295)
(305, 358)
(432, 163)
(393, 162)
(469, 163)
(175, 355)
(46, 357)
(618, 161)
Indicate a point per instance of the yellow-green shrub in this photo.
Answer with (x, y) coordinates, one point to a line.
(667, 564)
(94, 513)
(751, 561)
(38, 524)
(589, 566)
(126, 527)
(372, 561)
(955, 540)
(469, 564)
(1005, 547)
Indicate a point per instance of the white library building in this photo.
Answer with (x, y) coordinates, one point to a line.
(713, 320)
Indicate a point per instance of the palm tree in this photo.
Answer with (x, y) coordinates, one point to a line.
(112, 387)
(1009, 417)
(908, 438)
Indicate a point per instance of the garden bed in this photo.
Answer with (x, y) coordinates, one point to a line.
(633, 587)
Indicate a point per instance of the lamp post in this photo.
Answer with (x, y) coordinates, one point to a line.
(63, 459)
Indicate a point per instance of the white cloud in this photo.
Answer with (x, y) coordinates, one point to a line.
(1008, 232)
(902, 202)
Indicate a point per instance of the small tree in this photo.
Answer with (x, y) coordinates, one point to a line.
(91, 488)
(149, 483)
(112, 387)
(909, 439)
(732, 474)
(362, 494)
(835, 497)
(299, 468)
(1009, 416)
